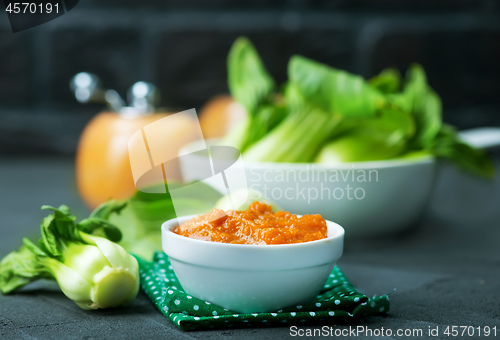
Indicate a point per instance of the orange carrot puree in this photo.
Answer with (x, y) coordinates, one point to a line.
(257, 225)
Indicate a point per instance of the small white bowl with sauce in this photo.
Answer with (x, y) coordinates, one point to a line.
(252, 278)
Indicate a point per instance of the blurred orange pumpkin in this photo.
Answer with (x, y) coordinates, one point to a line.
(219, 115)
(102, 162)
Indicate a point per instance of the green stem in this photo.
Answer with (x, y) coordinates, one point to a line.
(237, 137)
(296, 139)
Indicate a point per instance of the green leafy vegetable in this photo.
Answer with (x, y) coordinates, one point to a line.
(447, 145)
(252, 86)
(92, 271)
(425, 106)
(141, 218)
(388, 81)
(296, 139)
(248, 80)
(334, 91)
(329, 116)
(377, 138)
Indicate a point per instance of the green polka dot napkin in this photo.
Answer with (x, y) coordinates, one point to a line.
(338, 300)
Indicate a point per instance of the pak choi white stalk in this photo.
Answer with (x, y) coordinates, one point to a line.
(91, 270)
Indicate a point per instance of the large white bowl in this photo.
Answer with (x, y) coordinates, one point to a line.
(366, 198)
(252, 278)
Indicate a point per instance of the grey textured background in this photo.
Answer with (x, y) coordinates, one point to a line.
(445, 270)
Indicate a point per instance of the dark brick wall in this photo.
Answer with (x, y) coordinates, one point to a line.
(16, 69)
(182, 46)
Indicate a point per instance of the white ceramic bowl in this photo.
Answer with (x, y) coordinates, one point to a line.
(366, 198)
(252, 278)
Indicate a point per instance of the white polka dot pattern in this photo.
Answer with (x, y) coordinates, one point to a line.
(338, 300)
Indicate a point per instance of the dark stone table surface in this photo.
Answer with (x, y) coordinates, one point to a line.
(446, 270)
